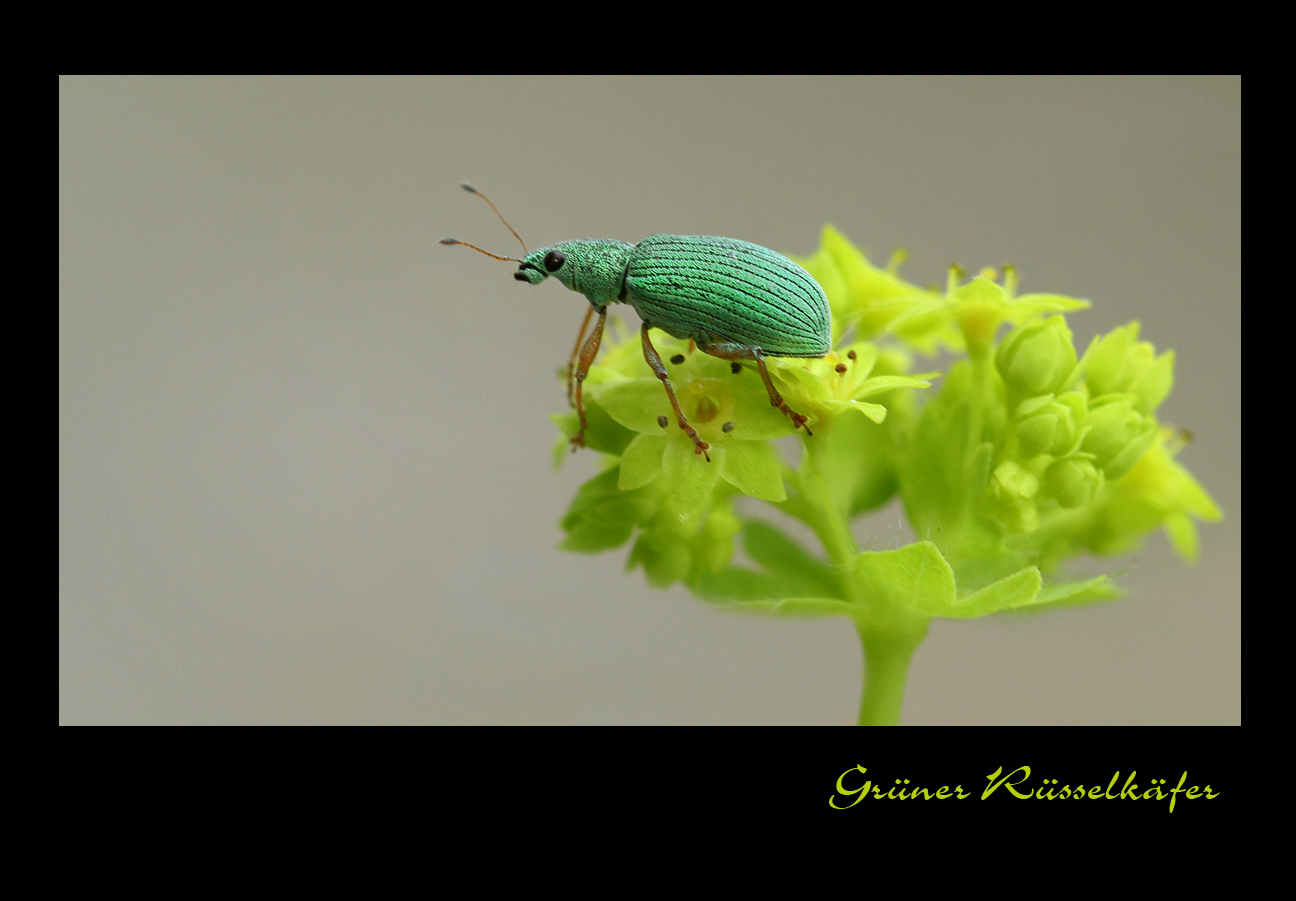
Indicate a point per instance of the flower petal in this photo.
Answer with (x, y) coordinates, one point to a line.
(1023, 308)
(635, 403)
(883, 383)
(875, 412)
(689, 477)
(754, 469)
(642, 461)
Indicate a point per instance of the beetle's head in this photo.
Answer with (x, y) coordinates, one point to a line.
(540, 264)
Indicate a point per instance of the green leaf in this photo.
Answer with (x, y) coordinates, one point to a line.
(781, 556)
(800, 606)
(1072, 594)
(1016, 590)
(587, 537)
(601, 516)
(562, 447)
(915, 577)
(739, 584)
(590, 494)
(789, 571)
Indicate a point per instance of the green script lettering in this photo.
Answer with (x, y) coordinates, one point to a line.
(1176, 790)
(993, 786)
(859, 793)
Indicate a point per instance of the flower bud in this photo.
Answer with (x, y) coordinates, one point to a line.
(714, 545)
(1046, 425)
(1010, 498)
(664, 562)
(1119, 435)
(1072, 482)
(1037, 357)
(1121, 364)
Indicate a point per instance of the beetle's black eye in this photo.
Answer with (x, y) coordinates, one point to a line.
(554, 259)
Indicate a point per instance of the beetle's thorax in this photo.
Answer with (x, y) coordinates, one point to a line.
(593, 268)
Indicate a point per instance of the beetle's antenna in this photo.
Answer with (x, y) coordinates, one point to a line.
(493, 256)
(472, 189)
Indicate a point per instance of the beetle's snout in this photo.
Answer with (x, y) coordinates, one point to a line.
(529, 273)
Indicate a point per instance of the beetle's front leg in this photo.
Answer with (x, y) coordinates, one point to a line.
(650, 354)
(588, 352)
(730, 351)
(571, 364)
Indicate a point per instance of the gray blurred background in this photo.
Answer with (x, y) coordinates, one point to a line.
(304, 459)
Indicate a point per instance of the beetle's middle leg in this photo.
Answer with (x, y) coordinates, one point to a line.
(588, 352)
(730, 351)
(650, 354)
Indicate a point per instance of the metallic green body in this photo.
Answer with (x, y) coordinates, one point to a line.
(717, 291)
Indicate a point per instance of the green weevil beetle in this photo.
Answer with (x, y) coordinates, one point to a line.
(733, 299)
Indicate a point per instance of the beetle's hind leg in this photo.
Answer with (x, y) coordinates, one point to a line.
(730, 351)
(655, 361)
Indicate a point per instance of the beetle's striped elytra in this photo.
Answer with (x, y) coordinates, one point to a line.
(734, 299)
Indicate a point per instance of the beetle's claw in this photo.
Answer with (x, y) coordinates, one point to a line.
(699, 446)
(798, 421)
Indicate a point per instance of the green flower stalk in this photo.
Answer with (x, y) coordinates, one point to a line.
(1026, 455)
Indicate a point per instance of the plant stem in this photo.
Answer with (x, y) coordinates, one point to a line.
(977, 397)
(889, 638)
(886, 668)
(831, 526)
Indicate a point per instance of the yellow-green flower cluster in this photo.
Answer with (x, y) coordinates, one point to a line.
(679, 501)
(1027, 454)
